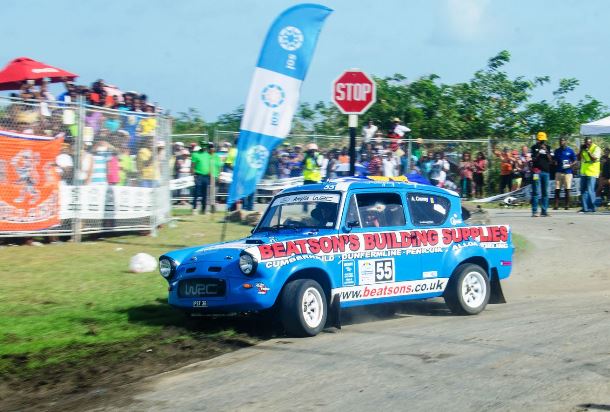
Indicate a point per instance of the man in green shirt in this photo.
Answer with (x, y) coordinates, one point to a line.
(204, 163)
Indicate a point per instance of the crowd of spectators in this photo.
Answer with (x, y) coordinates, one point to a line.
(387, 154)
(115, 143)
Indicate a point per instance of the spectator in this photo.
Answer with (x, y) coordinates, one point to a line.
(45, 94)
(399, 129)
(506, 169)
(331, 164)
(480, 166)
(126, 165)
(416, 149)
(589, 157)
(284, 166)
(565, 159)
(273, 167)
(425, 166)
(344, 156)
(396, 154)
(517, 170)
(146, 164)
(375, 165)
(387, 164)
(311, 164)
(99, 173)
(113, 168)
(231, 156)
(86, 166)
(526, 166)
(65, 164)
(604, 185)
(368, 131)
(148, 123)
(204, 163)
(467, 169)
(112, 122)
(438, 172)
(541, 166)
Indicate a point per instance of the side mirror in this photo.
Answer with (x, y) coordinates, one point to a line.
(465, 214)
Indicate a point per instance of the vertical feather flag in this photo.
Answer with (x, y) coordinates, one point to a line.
(274, 92)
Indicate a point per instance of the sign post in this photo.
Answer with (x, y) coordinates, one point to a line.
(353, 93)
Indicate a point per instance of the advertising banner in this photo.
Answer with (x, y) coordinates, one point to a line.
(274, 92)
(29, 183)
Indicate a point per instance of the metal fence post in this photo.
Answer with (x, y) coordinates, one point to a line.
(77, 222)
(156, 186)
(409, 154)
(489, 159)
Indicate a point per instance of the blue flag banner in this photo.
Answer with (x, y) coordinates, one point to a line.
(274, 92)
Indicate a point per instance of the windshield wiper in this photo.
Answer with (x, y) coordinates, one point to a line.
(275, 228)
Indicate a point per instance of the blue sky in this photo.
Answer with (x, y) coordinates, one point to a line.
(201, 54)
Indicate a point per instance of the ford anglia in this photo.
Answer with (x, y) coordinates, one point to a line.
(348, 242)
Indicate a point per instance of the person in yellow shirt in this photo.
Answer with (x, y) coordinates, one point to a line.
(311, 165)
(589, 157)
(147, 168)
(148, 124)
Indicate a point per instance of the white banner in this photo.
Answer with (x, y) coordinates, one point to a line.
(106, 202)
(182, 183)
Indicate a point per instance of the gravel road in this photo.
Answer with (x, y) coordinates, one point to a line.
(547, 349)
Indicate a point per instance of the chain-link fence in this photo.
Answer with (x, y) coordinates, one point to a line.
(472, 167)
(73, 169)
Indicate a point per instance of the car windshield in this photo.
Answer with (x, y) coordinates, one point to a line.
(302, 210)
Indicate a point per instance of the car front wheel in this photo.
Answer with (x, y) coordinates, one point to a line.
(468, 290)
(303, 308)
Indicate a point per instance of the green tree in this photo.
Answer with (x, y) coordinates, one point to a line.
(560, 117)
(491, 104)
(190, 121)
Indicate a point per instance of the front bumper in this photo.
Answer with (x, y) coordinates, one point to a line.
(238, 297)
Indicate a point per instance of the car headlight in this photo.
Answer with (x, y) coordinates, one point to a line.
(247, 263)
(166, 267)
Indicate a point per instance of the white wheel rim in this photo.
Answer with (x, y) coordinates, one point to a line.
(473, 289)
(313, 307)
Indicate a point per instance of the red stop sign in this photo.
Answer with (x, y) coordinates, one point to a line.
(354, 92)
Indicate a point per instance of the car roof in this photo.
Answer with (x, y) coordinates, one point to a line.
(350, 183)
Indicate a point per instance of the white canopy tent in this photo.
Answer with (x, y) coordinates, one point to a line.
(601, 126)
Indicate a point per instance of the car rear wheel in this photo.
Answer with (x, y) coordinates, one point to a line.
(303, 308)
(468, 290)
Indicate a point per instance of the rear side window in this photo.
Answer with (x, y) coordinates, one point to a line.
(380, 209)
(427, 209)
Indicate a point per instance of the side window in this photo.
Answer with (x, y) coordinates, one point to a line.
(428, 209)
(380, 209)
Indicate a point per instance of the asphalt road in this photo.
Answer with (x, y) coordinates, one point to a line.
(547, 349)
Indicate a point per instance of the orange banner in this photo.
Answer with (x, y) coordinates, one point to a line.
(29, 184)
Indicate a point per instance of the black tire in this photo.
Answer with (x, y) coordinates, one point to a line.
(293, 309)
(464, 294)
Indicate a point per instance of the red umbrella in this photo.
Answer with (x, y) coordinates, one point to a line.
(24, 68)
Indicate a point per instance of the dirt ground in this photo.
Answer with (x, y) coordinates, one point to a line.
(74, 386)
(546, 349)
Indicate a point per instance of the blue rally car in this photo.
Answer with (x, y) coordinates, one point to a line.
(348, 242)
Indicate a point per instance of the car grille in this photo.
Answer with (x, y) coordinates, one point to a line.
(202, 288)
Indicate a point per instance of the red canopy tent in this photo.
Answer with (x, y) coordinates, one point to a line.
(24, 68)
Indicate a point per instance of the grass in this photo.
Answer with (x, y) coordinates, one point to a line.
(61, 301)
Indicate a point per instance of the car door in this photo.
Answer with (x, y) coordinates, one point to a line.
(429, 212)
(379, 267)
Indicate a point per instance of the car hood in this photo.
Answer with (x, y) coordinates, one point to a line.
(222, 251)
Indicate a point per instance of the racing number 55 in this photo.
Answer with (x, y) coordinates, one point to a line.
(384, 270)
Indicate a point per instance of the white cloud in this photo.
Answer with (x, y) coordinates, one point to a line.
(466, 18)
